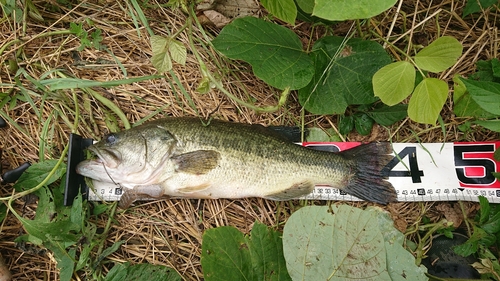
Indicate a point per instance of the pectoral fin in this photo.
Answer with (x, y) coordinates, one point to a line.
(197, 162)
(293, 192)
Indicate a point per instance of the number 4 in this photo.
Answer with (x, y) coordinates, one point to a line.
(414, 172)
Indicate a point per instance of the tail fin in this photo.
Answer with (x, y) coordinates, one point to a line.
(368, 182)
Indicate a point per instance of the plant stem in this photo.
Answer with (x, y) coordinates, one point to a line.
(399, 51)
(423, 242)
(466, 220)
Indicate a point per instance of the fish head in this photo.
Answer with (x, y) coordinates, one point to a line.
(132, 157)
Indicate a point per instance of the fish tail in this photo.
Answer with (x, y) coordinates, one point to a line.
(368, 182)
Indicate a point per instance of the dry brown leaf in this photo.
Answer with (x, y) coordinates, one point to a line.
(451, 213)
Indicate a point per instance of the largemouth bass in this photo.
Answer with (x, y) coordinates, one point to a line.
(182, 157)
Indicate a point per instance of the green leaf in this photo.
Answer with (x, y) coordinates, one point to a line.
(339, 10)
(485, 93)
(320, 135)
(496, 155)
(306, 5)
(284, 10)
(177, 51)
(363, 123)
(343, 74)
(463, 104)
(228, 255)
(59, 231)
(439, 55)
(388, 115)
(471, 246)
(492, 226)
(493, 125)
(37, 172)
(65, 260)
(160, 59)
(485, 71)
(394, 82)
(346, 124)
(495, 67)
(343, 243)
(274, 51)
(428, 100)
(128, 272)
(472, 6)
(484, 213)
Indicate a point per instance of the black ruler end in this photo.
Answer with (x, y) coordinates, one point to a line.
(74, 181)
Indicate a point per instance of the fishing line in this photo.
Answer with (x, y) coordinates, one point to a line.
(111, 178)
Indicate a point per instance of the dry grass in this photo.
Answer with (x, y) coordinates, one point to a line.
(169, 232)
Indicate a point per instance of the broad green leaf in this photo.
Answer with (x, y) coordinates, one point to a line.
(177, 51)
(401, 264)
(306, 5)
(274, 51)
(37, 172)
(228, 255)
(145, 271)
(472, 6)
(161, 58)
(363, 123)
(65, 259)
(345, 243)
(58, 231)
(439, 55)
(394, 82)
(463, 104)
(388, 115)
(493, 125)
(496, 155)
(427, 100)
(485, 93)
(343, 74)
(285, 10)
(340, 10)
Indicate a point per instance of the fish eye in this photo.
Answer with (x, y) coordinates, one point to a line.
(111, 139)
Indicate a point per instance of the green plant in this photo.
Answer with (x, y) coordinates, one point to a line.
(319, 243)
(475, 6)
(395, 82)
(479, 96)
(484, 239)
(94, 40)
(339, 72)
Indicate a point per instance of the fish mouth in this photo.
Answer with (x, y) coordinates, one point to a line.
(106, 157)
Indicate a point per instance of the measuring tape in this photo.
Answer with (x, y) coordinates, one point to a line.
(418, 172)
